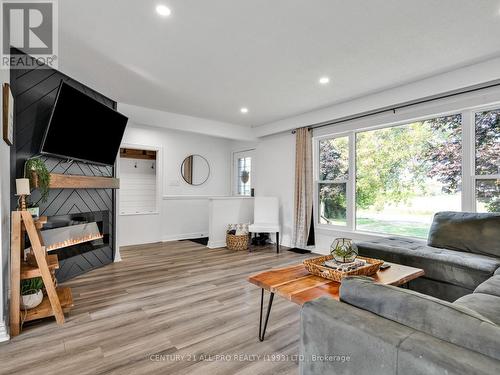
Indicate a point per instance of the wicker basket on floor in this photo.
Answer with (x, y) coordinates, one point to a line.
(237, 242)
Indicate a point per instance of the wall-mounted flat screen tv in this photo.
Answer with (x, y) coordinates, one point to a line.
(82, 128)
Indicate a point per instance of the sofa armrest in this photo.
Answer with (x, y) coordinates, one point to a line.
(447, 321)
(337, 338)
(342, 339)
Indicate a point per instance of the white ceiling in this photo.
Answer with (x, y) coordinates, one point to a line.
(211, 57)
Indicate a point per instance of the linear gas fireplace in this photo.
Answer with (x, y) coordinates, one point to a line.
(74, 234)
(71, 235)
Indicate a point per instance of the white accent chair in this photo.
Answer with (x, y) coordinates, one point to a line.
(266, 216)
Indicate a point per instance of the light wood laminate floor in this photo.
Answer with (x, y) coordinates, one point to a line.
(167, 308)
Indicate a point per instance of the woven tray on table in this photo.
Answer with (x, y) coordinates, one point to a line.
(237, 242)
(315, 266)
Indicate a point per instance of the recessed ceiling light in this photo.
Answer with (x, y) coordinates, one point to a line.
(244, 110)
(163, 10)
(324, 80)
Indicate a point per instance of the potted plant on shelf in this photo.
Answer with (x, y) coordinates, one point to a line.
(36, 170)
(31, 293)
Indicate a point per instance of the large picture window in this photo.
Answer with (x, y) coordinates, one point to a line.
(404, 174)
(392, 180)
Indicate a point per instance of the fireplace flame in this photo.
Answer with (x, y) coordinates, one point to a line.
(74, 241)
(70, 235)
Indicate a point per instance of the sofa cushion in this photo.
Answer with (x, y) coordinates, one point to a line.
(451, 322)
(465, 231)
(497, 272)
(485, 304)
(438, 289)
(466, 270)
(490, 286)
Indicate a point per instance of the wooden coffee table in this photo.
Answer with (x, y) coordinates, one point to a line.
(296, 284)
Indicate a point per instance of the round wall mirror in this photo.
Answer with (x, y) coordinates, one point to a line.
(195, 170)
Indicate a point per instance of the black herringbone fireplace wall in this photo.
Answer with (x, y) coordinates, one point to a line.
(34, 92)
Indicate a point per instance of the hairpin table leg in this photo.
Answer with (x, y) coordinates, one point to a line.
(262, 332)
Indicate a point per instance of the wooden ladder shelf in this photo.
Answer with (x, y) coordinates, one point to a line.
(58, 300)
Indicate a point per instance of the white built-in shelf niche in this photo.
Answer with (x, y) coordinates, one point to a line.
(138, 182)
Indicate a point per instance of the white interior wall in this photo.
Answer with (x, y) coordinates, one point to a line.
(275, 176)
(183, 209)
(4, 219)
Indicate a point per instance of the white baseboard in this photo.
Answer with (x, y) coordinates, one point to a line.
(222, 243)
(4, 335)
(286, 243)
(216, 244)
(212, 244)
(184, 236)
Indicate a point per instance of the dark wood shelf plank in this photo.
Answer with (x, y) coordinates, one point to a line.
(66, 181)
(63, 181)
(137, 154)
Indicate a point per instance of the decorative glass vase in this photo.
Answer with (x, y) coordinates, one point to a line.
(344, 250)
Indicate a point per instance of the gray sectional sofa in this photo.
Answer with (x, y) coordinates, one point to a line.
(380, 329)
(462, 251)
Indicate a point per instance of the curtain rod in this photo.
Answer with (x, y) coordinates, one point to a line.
(393, 108)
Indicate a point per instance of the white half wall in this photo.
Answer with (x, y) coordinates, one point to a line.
(183, 208)
(4, 219)
(227, 210)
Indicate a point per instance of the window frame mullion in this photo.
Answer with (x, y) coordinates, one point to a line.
(468, 162)
(351, 184)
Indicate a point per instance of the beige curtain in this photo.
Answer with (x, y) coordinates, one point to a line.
(303, 187)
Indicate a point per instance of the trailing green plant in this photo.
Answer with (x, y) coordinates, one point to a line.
(43, 175)
(30, 286)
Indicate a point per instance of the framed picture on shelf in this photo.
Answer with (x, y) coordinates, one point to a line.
(7, 114)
